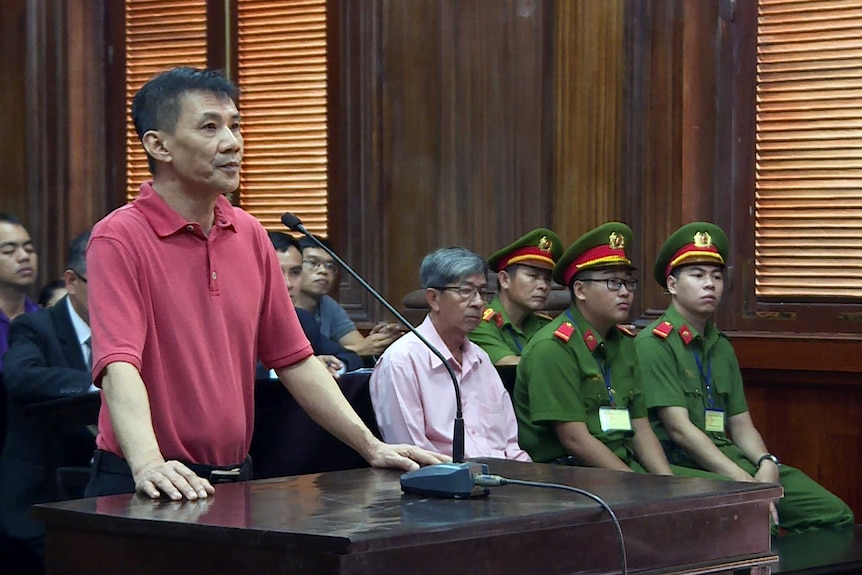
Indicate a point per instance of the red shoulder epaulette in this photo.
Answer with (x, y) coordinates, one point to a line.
(626, 330)
(565, 331)
(685, 334)
(491, 315)
(663, 329)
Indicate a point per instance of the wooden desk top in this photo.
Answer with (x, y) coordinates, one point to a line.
(363, 511)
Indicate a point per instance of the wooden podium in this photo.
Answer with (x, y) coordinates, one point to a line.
(359, 522)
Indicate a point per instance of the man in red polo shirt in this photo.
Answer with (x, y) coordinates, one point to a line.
(187, 294)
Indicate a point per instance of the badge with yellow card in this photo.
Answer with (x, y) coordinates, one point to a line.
(615, 419)
(714, 419)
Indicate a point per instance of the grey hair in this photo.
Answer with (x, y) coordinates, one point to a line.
(450, 265)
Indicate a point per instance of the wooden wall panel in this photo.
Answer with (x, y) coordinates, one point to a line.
(589, 75)
(446, 139)
(812, 420)
(13, 95)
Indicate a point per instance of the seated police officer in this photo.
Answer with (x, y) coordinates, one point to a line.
(523, 285)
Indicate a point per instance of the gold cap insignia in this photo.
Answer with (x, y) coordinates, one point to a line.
(616, 241)
(544, 244)
(702, 240)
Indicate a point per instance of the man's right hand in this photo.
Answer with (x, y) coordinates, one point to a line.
(173, 479)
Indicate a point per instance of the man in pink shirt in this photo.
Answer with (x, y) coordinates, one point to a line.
(411, 389)
(187, 294)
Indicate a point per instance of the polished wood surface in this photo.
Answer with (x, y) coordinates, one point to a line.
(358, 521)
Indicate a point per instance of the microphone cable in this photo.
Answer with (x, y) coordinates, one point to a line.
(485, 480)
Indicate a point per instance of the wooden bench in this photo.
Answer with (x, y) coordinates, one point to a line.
(822, 552)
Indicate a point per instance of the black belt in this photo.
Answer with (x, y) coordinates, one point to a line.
(107, 462)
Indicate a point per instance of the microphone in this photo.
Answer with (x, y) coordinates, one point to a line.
(441, 480)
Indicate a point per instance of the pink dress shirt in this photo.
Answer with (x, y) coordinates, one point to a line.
(414, 400)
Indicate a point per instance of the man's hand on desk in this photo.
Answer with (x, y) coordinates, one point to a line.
(173, 479)
(404, 457)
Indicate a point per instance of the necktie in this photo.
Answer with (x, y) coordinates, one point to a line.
(88, 353)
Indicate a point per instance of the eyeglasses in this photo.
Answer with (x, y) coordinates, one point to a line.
(467, 292)
(79, 274)
(313, 264)
(615, 284)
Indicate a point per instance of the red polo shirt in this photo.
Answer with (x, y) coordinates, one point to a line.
(192, 312)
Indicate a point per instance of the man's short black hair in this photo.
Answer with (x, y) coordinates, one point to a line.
(306, 242)
(7, 218)
(282, 241)
(156, 106)
(76, 260)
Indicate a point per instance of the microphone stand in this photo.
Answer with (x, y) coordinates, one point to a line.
(293, 223)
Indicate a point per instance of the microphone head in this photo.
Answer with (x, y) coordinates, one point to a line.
(292, 222)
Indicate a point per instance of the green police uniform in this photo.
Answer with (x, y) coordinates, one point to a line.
(678, 363)
(561, 377)
(540, 248)
(499, 338)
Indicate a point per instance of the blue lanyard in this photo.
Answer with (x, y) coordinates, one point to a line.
(603, 367)
(706, 378)
(516, 340)
(606, 374)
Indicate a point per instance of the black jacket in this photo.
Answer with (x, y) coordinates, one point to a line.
(44, 362)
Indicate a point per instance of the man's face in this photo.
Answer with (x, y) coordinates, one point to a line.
(291, 268)
(459, 311)
(318, 272)
(698, 289)
(18, 260)
(205, 148)
(526, 286)
(76, 286)
(601, 304)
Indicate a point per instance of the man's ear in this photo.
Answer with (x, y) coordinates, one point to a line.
(578, 290)
(503, 279)
(432, 296)
(671, 285)
(70, 278)
(154, 144)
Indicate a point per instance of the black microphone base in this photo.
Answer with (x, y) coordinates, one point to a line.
(447, 480)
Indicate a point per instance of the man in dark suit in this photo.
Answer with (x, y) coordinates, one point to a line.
(48, 358)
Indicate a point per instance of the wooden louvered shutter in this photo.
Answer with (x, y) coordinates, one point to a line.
(281, 58)
(808, 204)
(160, 34)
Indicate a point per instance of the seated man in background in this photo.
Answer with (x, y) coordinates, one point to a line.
(578, 388)
(411, 389)
(695, 394)
(319, 271)
(524, 283)
(48, 358)
(336, 358)
(51, 293)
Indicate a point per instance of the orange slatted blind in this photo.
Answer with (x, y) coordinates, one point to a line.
(808, 202)
(282, 78)
(160, 34)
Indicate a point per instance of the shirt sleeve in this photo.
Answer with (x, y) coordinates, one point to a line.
(661, 383)
(116, 296)
(340, 322)
(491, 339)
(553, 375)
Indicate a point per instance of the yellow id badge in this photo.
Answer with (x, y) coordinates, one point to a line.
(615, 419)
(714, 419)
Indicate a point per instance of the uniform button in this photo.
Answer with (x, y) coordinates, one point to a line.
(214, 276)
(190, 228)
